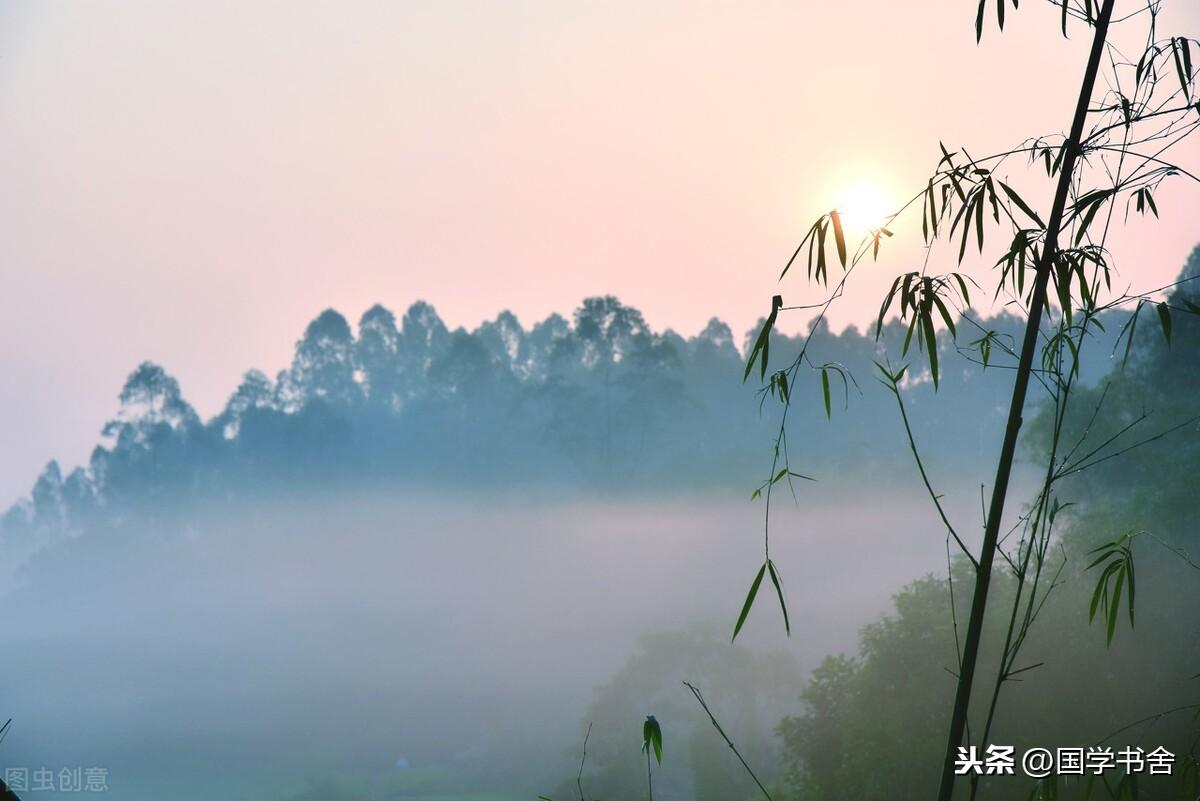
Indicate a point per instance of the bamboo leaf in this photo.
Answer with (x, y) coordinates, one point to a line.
(948, 158)
(1095, 599)
(962, 286)
(778, 582)
(1021, 204)
(931, 342)
(1179, 70)
(912, 327)
(822, 273)
(887, 302)
(945, 314)
(966, 231)
(1093, 203)
(1133, 320)
(1114, 607)
(825, 392)
(1129, 572)
(796, 253)
(979, 219)
(1150, 201)
(763, 342)
(652, 737)
(1164, 319)
(839, 236)
(1058, 158)
(931, 200)
(749, 601)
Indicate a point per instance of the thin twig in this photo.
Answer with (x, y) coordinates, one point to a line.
(700, 698)
(582, 760)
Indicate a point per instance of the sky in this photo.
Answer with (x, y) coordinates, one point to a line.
(193, 182)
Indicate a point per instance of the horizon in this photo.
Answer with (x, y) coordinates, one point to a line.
(191, 187)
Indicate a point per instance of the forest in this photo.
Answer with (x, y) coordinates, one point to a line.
(602, 413)
(597, 404)
(926, 531)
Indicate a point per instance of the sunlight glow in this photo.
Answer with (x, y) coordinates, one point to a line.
(864, 208)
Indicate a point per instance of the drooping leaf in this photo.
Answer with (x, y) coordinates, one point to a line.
(962, 287)
(778, 582)
(1164, 320)
(825, 392)
(965, 211)
(750, 596)
(1060, 154)
(761, 349)
(931, 345)
(876, 237)
(979, 220)
(807, 238)
(945, 314)
(1132, 329)
(839, 236)
(1117, 558)
(822, 274)
(948, 158)
(912, 327)
(1150, 201)
(1086, 207)
(931, 203)
(1098, 593)
(1176, 54)
(1114, 608)
(652, 737)
(1129, 573)
(887, 302)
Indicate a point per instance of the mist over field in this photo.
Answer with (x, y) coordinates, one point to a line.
(419, 562)
(395, 567)
(336, 633)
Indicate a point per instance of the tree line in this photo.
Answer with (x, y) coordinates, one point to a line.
(599, 402)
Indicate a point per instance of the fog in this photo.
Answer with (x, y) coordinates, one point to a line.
(432, 564)
(277, 642)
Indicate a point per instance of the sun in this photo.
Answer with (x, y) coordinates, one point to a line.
(864, 207)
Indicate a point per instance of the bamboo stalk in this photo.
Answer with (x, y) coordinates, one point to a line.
(983, 573)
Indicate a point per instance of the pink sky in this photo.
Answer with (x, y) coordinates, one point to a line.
(193, 182)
